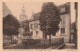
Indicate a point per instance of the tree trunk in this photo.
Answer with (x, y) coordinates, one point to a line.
(45, 36)
(11, 38)
(50, 39)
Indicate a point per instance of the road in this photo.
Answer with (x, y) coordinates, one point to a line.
(69, 46)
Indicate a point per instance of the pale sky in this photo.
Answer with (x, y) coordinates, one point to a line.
(30, 7)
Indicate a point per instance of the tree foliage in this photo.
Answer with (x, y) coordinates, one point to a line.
(49, 18)
(10, 25)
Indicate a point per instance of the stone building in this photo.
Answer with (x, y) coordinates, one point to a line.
(65, 24)
(35, 27)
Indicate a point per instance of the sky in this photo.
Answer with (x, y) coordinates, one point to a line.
(30, 7)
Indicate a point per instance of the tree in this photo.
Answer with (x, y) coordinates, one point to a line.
(25, 25)
(49, 19)
(10, 25)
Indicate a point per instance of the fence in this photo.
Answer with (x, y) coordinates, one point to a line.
(55, 40)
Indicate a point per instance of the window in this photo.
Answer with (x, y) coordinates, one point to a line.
(63, 20)
(72, 30)
(63, 17)
(36, 32)
(35, 25)
(62, 9)
(31, 32)
(62, 30)
(31, 26)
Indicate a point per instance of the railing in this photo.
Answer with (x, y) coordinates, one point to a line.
(55, 40)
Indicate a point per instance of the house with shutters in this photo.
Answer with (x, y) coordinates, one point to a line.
(35, 27)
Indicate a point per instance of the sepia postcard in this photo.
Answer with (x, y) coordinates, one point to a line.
(39, 26)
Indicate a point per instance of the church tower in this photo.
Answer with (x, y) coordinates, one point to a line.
(23, 16)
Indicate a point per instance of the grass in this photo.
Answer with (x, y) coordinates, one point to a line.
(34, 44)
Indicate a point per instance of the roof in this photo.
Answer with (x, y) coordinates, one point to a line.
(35, 16)
(66, 5)
(6, 10)
(73, 25)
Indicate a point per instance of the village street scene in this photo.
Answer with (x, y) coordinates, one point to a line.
(40, 25)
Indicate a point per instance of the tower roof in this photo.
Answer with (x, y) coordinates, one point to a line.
(23, 15)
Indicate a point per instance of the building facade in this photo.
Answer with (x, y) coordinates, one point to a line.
(65, 24)
(35, 27)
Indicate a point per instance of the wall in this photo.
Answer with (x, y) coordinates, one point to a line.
(66, 35)
(40, 34)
